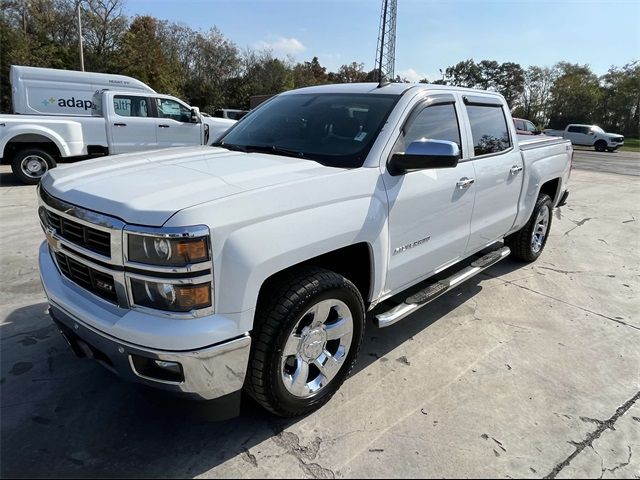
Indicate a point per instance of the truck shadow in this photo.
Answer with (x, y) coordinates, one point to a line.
(9, 180)
(66, 417)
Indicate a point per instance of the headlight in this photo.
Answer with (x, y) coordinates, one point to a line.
(170, 252)
(171, 296)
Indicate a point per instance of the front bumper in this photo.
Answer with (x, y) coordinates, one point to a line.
(206, 374)
(94, 328)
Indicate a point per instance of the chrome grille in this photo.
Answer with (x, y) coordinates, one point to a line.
(98, 283)
(81, 235)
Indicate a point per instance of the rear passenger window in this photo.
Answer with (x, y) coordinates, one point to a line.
(489, 129)
(438, 122)
(127, 106)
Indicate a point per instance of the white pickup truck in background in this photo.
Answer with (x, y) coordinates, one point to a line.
(251, 264)
(122, 122)
(588, 135)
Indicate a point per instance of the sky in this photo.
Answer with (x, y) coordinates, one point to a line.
(431, 34)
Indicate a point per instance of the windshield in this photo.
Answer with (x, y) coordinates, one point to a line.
(336, 130)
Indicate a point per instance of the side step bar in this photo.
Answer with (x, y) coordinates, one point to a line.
(433, 291)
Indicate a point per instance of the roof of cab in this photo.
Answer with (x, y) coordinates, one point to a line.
(388, 89)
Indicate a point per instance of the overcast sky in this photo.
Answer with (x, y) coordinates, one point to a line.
(431, 34)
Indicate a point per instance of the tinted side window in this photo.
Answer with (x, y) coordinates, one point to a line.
(172, 109)
(577, 129)
(530, 127)
(519, 125)
(438, 122)
(127, 106)
(489, 129)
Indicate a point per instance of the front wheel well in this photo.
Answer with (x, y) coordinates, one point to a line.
(354, 262)
(29, 140)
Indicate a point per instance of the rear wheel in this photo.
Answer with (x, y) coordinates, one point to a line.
(308, 333)
(527, 243)
(600, 146)
(31, 164)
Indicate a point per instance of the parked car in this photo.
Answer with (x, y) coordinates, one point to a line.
(589, 135)
(251, 264)
(525, 127)
(121, 122)
(51, 91)
(230, 113)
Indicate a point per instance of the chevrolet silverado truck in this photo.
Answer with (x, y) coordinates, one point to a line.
(589, 136)
(250, 265)
(121, 121)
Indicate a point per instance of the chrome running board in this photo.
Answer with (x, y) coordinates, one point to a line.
(433, 291)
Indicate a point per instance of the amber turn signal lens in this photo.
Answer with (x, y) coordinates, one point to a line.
(193, 251)
(194, 296)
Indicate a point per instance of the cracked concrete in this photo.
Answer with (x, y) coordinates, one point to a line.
(519, 373)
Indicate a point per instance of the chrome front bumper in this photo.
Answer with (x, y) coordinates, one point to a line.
(207, 373)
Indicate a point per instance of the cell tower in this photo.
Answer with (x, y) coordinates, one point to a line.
(386, 52)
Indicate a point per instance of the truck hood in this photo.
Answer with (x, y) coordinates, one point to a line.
(148, 188)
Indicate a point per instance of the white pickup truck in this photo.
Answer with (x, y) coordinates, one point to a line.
(589, 136)
(252, 264)
(122, 121)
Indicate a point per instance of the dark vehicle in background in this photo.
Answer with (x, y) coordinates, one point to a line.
(230, 114)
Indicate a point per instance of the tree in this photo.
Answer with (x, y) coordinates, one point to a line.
(575, 95)
(619, 108)
(103, 25)
(535, 98)
(142, 57)
(349, 73)
(309, 73)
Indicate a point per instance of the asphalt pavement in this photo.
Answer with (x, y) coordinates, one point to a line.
(620, 162)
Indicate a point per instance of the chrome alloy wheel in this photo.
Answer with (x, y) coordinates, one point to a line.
(34, 166)
(317, 348)
(540, 230)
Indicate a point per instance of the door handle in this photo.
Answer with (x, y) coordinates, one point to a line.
(465, 183)
(163, 126)
(119, 124)
(515, 169)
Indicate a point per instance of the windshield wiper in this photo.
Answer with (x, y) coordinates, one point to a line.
(275, 150)
(229, 146)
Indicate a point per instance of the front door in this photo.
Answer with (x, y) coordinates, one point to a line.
(499, 171)
(579, 135)
(429, 210)
(174, 124)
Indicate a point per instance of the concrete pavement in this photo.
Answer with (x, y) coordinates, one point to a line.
(526, 371)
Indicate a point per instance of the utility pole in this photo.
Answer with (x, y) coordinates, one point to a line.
(386, 49)
(80, 38)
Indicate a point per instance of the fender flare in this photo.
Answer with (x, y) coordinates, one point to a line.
(50, 135)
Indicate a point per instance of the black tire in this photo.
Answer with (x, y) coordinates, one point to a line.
(600, 146)
(280, 309)
(20, 165)
(521, 242)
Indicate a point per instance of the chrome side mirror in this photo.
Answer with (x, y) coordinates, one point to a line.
(425, 154)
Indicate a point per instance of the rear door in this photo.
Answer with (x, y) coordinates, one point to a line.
(429, 212)
(498, 168)
(174, 127)
(579, 135)
(131, 126)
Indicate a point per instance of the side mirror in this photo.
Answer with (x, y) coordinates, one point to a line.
(591, 133)
(425, 154)
(195, 115)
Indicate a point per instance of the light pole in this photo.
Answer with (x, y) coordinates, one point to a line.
(80, 38)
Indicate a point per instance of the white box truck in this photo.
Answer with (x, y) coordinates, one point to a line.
(50, 91)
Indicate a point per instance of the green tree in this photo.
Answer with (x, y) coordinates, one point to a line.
(575, 95)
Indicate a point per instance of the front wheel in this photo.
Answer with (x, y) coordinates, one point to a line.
(527, 243)
(31, 164)
(600, 146)
(308, 332)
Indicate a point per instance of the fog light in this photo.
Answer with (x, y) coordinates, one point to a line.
(159, 370)
(171, 366)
